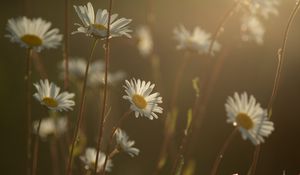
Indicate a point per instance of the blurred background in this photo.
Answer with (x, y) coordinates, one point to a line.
(246, 67)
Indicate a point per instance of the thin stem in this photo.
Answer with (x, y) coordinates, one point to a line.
(281, 57)
(39, 66)
(107, 53)
(54, 156)
(36, 148)
(222, 23)
(66, 46)
(82, 101)
(119, 123)
(222, 151)
(28, 79)
(173, 103)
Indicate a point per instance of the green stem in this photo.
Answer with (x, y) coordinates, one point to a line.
(28, 79)
(82, 101)
(107, 53)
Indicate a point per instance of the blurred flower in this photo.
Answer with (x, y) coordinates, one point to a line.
(89, 160)
(198, 40)
(251, 120)
(33, 33)
(98, 27)
(77, 68)
(262, 7)
(51, 126)
(252, 29)
(125, 144)
(145, 42)
(48, 95)
(142, 103)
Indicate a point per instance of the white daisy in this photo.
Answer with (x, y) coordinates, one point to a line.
(33, 33)
(124, 144)
(51, 126)
(97, 25)
(251, 120)
(252, 29)
(198, 40)
(89, 160)
(265, 8)
(77, 68)
(142, 103)
(48, 95)
(145, 42)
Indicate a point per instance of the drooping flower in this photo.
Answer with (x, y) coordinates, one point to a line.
(145, 42)
(198, 40)
(89, 160)
(251, 120)
(252, 29)
(51, 126)
(124, 144)
(142, 102)
(33, 33)
(96, 25)
(48, 94)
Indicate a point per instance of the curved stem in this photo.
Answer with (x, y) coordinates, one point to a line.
(167, 136)
(281, 57)
(222, 23)
(28, 80)
(107, 53)
(119, 123)
(79, 119)
(222, 151)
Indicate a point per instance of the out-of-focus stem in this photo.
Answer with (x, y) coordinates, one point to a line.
(54, 156)
(82, 101)
(28, 80)
(66, 46)
(36, 148)
(102, 116)
(281, 57)
(222, 151)
(222, 23)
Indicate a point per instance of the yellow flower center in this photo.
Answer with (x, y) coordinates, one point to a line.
(244, 121)
(139, 101)
(50, 102)
(32, 40)
(99, 26)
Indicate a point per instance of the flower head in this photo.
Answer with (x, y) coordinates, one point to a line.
(252, 29)
(89, 160)
(77, 68)
(125, 144)
(51, 126)
(251, 120)
(145, 42)
(48, 94)
(198, 40)
(97, 25)
(142, 103)
(33, 33)
(263, 7)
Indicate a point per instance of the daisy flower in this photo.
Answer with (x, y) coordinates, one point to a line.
(48, 94)
(142, 103)
(97, 25)
(265, 8)
(252, 29)
(124, 144)
(33, 33)
(89, 160)
(51, 126)
(198, 40)
(251, 120)
(145, 42)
